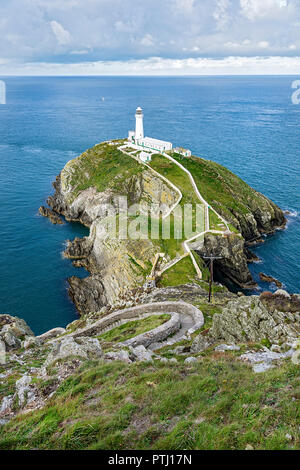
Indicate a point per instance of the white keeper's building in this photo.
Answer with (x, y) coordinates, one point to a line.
(137, 137)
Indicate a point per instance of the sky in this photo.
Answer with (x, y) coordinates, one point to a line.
(149, 37)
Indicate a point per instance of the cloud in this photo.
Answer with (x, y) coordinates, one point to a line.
(147, 40)
(221, 13)
(263, 44)
(232, 65)
(102, 31)
(254, 9)
(81, 52)
(62, 35)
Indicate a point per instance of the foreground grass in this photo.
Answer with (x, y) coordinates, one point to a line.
(134, 328)
(215, 404)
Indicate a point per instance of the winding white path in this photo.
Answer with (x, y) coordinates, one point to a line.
(201, 199)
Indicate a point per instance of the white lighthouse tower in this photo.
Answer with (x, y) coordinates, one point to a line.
(147, 145)
(139, 126)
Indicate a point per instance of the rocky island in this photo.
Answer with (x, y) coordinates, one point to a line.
(102, 174)
(150, 363)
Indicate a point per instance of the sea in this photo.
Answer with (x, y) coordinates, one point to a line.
(248, 124)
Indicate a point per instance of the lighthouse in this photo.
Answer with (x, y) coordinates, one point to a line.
(139, 126)
(137, 140)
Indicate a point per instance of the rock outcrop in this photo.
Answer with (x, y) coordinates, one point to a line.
(233, 262)
(91, 204)
(51, 215)
(251, 319)
(86, 348)
(13, 331)
(270, 280)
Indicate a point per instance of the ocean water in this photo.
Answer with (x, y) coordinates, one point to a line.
(248, 124)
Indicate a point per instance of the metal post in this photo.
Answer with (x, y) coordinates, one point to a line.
(211, 278)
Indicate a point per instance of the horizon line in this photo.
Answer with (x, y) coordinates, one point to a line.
(153, 76)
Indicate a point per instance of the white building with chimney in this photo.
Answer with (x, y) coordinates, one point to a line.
(147, 143)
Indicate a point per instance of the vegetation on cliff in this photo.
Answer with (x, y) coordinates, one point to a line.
(157, 378)
(214, 404)
(92, 180)
(102, 167)
(248, 210)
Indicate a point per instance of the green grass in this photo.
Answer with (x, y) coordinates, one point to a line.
(103, 167)
(182, 272)
(217, 403)
(226, 192)
(177, 176)
(133, 328)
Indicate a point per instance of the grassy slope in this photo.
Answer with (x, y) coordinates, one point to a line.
(106, 167)
(177, 176)
(214, 404)
(134, 328)
(103, 167)
(219, 186)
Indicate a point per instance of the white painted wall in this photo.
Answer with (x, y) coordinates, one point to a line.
(139, 126)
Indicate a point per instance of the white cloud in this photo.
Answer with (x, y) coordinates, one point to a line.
(158, 66)
(254, 9)
(221, 13)
(263, 44)
(62, 35)
(185, 5)
(139, 29)
(122, 27)
(147, 40)
(81, 52)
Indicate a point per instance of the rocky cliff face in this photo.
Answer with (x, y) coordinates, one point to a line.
(90, 204)
(233, 262)
(116, 266)
(252, 213)
(85, 192)
(274, 320)
(262, 216)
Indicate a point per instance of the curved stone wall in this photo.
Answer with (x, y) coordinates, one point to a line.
(175, 309)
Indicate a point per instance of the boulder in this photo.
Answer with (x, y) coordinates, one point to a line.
(173, 360)
(6, 405)
(262, 367)
(296, 352)
(190, 360)
(31, 342)
(200, 343)
(141, 354)
(24, 392)
(12, 331)
(283, 293)
(263, 360)
(82, 347)
(227, 347)
(121, 355)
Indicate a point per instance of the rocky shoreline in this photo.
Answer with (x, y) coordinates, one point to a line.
(99, 258)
